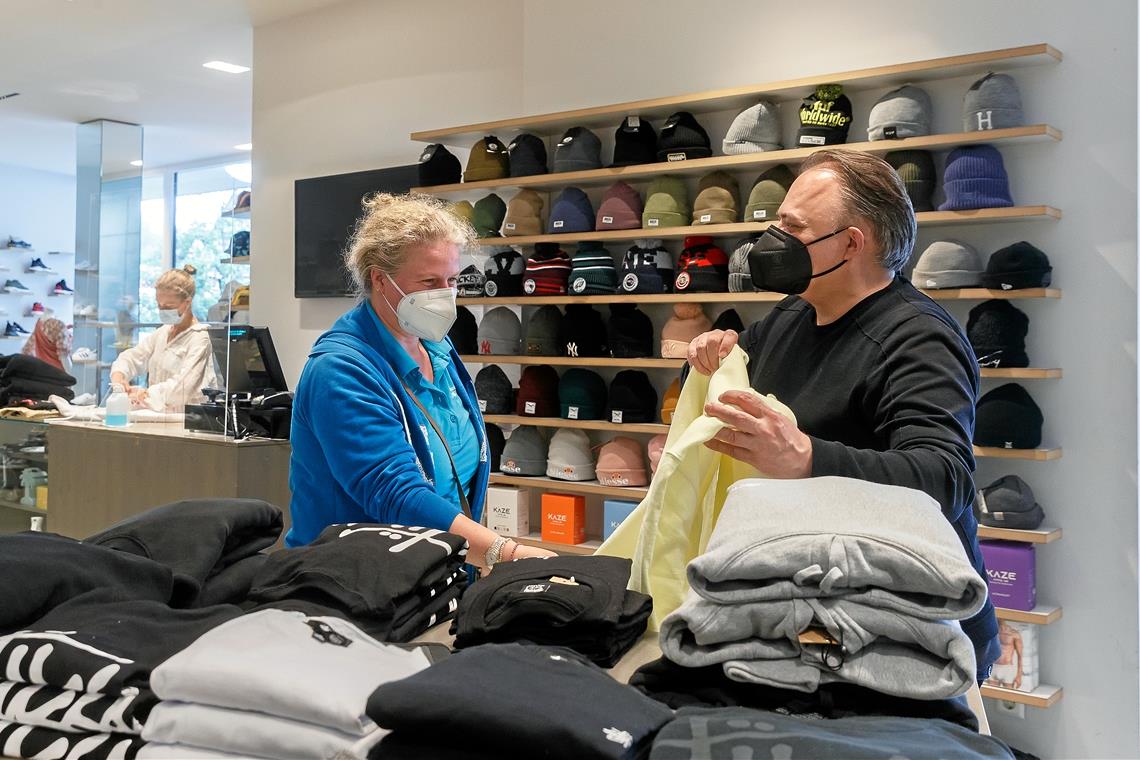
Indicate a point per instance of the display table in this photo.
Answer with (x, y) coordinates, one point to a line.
(100, 475)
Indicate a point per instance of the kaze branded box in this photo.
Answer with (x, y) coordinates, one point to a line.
(614, 513)
(1011, 571)
(508, 511)
(563, 518)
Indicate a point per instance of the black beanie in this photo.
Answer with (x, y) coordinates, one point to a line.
(635, 142)
(583, 332)
(729, 320)
(997, 331)
(495, 443)
(1008, 502)
(494, 391)
(1018, 266)
(438, 167)
(632, 398)
(683, 138)
(1007, 417)
(527, 154)
(631, 332)
(464, 333)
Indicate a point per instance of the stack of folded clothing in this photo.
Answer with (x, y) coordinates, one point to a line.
(26, 377)
(538, 702)
(580, 602)
(393, 581)
(275, 684)
(876, 570)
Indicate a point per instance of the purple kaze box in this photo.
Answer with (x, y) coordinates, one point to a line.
(1011, 570)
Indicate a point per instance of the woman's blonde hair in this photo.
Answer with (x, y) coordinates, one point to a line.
(393, 223)
(180, 281)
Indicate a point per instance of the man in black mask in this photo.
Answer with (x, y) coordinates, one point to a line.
(882, 380)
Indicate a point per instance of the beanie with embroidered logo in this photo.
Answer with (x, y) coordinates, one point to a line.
(1008, 502)
(493, 391)
(620, 208)
(488, 216)
(524, 452)
(632, 398)
(916, 170)
(582, 395)
(495, 444)
(948, 264)
(702, 267)
(504, 273)
(1007, 417)
(542, 330)
(739, 273)
(997, 329)
(592, 271)
(500, 332)
(716, 201)
(688, 321)
(538, 392)
(464, 332)
(571, 212)
(488, 160)
(975, 177)
(438, 166)
(630, 332)
(524, 214)
(992, 102)
(583, 332)
(578, 150)
(666, 203)
(621, 463)
(547, 271)
(825, 117)
(527, 154)
(635, 142)
(1018, 266)
(901, 113)
(570, 457)
(470, 282)
(654, 449)
(755, 129)
(669, 405)
(682, 138)
(768, 192)
(647, 267)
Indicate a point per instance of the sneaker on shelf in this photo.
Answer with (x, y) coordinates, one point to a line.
(17, 243)
(84, 356)
(87, 311)
(15, 329)
(61, 289)
(36, 310)
(84, 266)
(38, 265)
(84, 399)
(15, 286)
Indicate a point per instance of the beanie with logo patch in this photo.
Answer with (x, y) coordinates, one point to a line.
(583, 332)
(500, 332)
(493, 391)
(542, 332)
(992, 102)
(1007, 417)
(488, 160)
(632, 398)
(571, 212)
(975, 177)
(504, 273)
(635, 142)
(538, 392)
(524, 214)
(647, 267)
(682, 138)
(901, 113)
(470, 282)
(702, 267)
(620, 208)
(524, 452)
(688, 321)
(527, 154)
(825, 117)
(547, 271)
(768, 192)
(582, 395)
(997, 329)
(438, 166)
(1018, 266)
(570, 457)
(592, 271)
(621, 463)
(669, 405)
(1008, 502)
(948, 264)
(754, 129)
(666, 203)
(716, 201)
(578, 150)
(630, 332)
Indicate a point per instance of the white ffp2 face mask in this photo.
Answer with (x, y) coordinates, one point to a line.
(426, 314)
(169, 316)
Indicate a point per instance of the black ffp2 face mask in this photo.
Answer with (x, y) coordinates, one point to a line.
(780, 262)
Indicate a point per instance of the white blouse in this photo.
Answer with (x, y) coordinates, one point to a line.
(177, 370)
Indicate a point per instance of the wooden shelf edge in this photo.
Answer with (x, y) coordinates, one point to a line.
(573, 361)
(558, 422)
(1033, 455)
(1042, 614)
(1043, 696)
(589, 488)
(983, 294)
(1038, 536)
(535, 539)
(963, 294)
(22, 507)
(1022, 373)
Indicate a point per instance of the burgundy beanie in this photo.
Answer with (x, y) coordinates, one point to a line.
(620, 209)
(538, 392)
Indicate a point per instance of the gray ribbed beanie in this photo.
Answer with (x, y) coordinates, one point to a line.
(570, 457)
(904, 112)
(500, 332)
(992, 102)
(753, 130)
(524, 452)
(948, 264)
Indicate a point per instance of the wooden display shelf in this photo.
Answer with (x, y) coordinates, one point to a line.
(1038, 536)
(238, 260)
(558, 422)
(984, 294)
(741, 229)
(884, 77)
(1042, 614)
(535, 539)
(232, 214)
(1033, 455)
(574, 361)
(970, 294)
(747, 161)
(589, 488)
(1021, 373)
(5, 503)
(1043, 696)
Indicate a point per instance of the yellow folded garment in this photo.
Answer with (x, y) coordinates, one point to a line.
(22, 413)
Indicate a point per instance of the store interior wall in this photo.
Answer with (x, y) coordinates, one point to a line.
(340, 90)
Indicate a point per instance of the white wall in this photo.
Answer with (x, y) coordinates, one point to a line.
(340, 91)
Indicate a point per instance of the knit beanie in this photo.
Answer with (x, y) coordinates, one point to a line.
(504, 272)
(669, 405)
(524, 214)
(630, 331)
(729, 320)
(1007, 417)
(767, 193)
(494, 391)
(948, 264)
(997, 329)
(488, 216)
(688, 321)
(975, 178)
(527, 155)
(682, 138)
(470, 282)
(635, 142)
(620, 208)
(438, 166)
(904, 112)
(739, 273)
(524, 452)
(647, 267)
(571, 212)
(538, 392)
(592, 271)
(547, 271)
(654, 449)
(583, 332)
(632, 398)
(702, 268)
(666, 203)
(463, 210)
(500, 332)
(464, 332)
(578, 150)
(1018, 266)
(570, 457)
(716, 201)
(825, 117)
(542, 332)
(582, 395)
(754, 129)
(1008, 502)
(621, 463)
(495, 444)
(992, 102)
(916, 169)
(488, 160)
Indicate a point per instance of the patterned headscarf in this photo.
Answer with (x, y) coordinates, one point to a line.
(49, 342)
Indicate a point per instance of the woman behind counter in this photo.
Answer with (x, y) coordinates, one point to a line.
(177, 358)
(384, 388)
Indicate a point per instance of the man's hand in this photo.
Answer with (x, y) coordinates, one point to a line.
(707, 349)
(759, 435)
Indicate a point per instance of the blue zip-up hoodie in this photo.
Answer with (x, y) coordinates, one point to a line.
(360, 444)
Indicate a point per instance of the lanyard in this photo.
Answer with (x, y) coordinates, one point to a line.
(455, 470)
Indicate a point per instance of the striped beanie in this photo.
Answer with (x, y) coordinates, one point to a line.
(547, 270)
(593, 271)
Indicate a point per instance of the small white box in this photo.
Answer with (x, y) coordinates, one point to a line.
(508, 510)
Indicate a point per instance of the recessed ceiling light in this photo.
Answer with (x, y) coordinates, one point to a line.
(244, 146)
(136, 162)
(229, 68)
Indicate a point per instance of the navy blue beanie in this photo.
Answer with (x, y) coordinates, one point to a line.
(975, 178)
(572, 212)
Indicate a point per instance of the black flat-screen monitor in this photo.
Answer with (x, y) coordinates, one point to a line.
(325, 214)
(249, 358)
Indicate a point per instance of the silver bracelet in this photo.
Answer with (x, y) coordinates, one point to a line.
(495, 551)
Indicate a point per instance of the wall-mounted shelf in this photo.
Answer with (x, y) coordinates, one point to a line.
(243, 214)
(1042, 614)
(971, 294)
(558, 422)
(589, 487)
(573, 361)
(1038, 536)
(237, 260)
(535, 539)
(1021, 373)
(6, 504)
(1043, 696)
(1033, 455)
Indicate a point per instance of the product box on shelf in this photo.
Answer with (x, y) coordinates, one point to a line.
(1017, 666)
(508, 510)
(1011, 571)
(614, 512)
(563, 518)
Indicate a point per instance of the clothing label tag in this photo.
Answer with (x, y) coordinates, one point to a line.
(482, 405)
(564, 581)
(615, 415)
(1006, 286)
(536, 588)
(509, 226)
(572, 413)
(813, 140)
(633, 122)
(567, 139)
(891, 133)
(652, 222)
(705, 218)
(607, 220)
(529, 407)
(760, 213)
(558, 224)
(675, 157)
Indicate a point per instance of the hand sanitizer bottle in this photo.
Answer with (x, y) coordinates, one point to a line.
(118, 407)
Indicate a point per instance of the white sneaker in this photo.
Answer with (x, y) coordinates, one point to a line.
(84, 399)
(87, 310)
(84, 356)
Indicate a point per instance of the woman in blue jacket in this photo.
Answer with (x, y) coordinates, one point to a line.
(386, 427)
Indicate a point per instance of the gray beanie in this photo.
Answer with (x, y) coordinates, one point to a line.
(524, 452)
(500, 332)
(542, 332)
(992, 102)
(753, 130)
(739, 273)
(494, 391)
(905, 112)
(570, 456)
(948, 264)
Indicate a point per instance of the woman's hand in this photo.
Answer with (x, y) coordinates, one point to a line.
(523, 551)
